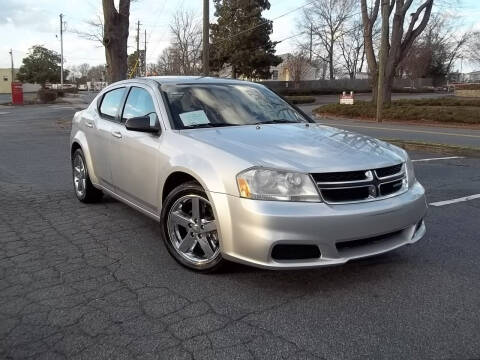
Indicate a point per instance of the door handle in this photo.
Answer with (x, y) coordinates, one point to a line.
(117, 134)
(89, 124)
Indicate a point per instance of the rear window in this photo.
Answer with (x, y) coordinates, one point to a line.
(111, 102)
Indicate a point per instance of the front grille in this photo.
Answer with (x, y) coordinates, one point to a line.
(295, 252)
(340, 176)
(345, 245)
(362, 185)
(342, 195)
(388, 171)
(391, 187)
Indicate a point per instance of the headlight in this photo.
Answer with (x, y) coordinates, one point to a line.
(266, 184)
(410, 172)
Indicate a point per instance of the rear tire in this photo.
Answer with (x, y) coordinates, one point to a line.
(189, 228)
(84, 189)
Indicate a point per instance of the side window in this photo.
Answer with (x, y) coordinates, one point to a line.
(139, 103)
(111, 103)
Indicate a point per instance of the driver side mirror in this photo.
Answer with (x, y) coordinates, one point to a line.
(142, 124)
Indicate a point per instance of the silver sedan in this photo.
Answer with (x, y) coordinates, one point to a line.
(231, 171)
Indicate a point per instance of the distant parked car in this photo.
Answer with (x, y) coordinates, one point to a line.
(233, 172)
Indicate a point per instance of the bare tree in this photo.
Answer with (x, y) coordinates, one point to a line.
(96, 73)
(187, 42)
(325, 22)
(152, 69)
(397, 42)
(169, 62)
(474, 47)
(93, 31)
(83, 69)
(298, 65)
(447, 44)
(352, 49)
(435, 52)
(416, 63)
(115, 37)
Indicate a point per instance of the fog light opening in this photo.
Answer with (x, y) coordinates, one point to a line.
(295, 252)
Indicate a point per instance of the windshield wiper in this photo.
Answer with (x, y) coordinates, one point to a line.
(277, 121)
(209, 125)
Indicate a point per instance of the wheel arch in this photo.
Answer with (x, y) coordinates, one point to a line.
(80, 142)
(176, 178)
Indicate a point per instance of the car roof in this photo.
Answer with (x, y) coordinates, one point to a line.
(178, 80)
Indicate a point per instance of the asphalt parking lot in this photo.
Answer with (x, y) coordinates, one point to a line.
(94, 281)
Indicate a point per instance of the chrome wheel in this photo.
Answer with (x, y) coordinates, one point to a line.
(79, 176)
(192, 229)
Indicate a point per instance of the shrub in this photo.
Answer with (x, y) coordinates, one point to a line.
(46, 95)
(437, 110)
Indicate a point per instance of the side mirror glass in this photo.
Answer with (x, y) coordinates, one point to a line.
(147, 123)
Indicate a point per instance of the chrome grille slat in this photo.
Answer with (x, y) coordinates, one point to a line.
(372, 187)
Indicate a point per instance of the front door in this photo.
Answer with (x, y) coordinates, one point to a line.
(100, 128)
(134, 155)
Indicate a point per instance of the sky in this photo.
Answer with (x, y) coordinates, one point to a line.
(24, 23)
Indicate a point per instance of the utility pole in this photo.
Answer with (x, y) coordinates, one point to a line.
(11, 60)
(145, 55)
(206, 26)
(61, 50)
(311, 41)
(383, 54)
(137, 72)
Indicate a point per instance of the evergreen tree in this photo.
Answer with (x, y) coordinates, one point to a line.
(241, 38)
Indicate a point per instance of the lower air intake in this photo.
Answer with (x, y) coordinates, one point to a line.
(295, 252)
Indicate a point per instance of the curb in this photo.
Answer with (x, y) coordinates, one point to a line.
(435, 147)
(387, 122)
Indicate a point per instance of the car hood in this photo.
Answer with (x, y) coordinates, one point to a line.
(312, 148)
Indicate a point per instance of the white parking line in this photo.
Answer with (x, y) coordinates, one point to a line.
(60, 107)
(4, 112)
(440, 158)
(453, 201)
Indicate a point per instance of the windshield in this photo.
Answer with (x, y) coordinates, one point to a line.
(211, 105)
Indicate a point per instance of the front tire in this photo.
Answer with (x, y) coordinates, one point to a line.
(189, 228)
(84, 189)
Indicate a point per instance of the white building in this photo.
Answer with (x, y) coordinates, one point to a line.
(282, 72)
(473, 76)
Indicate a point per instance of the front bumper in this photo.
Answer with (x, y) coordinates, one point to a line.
(249, 229)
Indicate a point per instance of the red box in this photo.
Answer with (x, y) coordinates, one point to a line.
(17, 93)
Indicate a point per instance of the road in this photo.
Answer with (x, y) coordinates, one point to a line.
(422, 133)
(94, 281)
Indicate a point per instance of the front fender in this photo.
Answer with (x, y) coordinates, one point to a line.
(214, 169)
(79, 138)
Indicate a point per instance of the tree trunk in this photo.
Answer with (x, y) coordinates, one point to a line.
(330, 60)
(116, 24)
(374, 84)
(368, 23)
(387, 88)
(383, 56)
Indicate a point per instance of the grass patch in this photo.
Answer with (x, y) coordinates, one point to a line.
(447, 110)
(300, 99)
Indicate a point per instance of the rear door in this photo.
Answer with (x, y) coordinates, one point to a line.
(135, 154)
(108, 114)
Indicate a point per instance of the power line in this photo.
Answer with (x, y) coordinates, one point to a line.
(290, 37)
